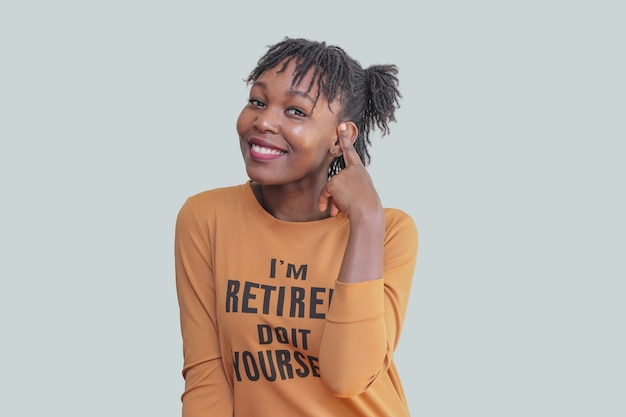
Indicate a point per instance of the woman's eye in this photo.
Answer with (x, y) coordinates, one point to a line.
(256, 103)
(296, 112)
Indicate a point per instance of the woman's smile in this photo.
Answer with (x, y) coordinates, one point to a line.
(287, 130)
(262, 151)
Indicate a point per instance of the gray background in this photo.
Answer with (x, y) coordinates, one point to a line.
(508, 153)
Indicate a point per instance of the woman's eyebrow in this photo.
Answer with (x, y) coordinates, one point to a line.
(302, 94)
(292, 92)
(260, 84)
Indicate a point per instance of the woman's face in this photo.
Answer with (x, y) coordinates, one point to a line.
(285, 139)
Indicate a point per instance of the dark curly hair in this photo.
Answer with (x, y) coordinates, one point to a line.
(369, 97)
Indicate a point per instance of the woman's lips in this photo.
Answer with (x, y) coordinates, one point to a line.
(264, 153)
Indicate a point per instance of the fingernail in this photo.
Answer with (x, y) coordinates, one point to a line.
(342, 126)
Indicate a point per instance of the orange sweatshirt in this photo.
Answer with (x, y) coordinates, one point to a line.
(268, 330)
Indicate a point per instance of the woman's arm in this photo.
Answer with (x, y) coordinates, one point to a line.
(365, 319)
(372, 289)
(207, 391)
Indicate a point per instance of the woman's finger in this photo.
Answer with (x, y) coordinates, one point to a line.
(350, 155)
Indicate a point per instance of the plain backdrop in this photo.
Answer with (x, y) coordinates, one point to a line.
(508, 153)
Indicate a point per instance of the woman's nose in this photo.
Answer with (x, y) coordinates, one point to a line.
(267, 121)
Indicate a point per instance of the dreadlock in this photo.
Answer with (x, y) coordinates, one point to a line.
(368, 97)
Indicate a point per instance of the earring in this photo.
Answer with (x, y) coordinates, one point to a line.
(334, 153)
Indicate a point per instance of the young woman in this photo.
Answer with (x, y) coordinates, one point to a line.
(294, 285)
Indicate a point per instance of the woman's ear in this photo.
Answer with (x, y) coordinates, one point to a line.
(351, 130)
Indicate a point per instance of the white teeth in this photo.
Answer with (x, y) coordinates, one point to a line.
(261, 149)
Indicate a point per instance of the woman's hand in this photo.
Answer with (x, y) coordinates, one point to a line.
(352, 190)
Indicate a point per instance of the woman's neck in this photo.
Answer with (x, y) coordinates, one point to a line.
(295, 205)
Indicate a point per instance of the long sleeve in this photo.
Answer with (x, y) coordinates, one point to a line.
(365, 319)
(207, 391)
(262, 316)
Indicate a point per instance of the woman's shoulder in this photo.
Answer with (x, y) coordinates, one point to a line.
(395, 215)
(222, 199)
(217, 194)
(400, 222)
